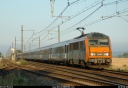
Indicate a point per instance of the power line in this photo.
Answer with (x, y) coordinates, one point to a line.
(84, 18)
(88, 16)
(79, 13)
(70, 29)
(94, 21)
(53, 21)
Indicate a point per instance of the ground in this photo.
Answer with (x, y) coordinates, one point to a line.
(119, 64)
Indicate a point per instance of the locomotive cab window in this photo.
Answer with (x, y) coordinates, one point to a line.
(99, 42)
(93, 42)
(103, 42)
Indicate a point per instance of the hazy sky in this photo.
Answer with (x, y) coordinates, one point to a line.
(36, 15)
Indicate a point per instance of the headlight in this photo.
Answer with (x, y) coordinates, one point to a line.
(106, 54)
(92, 54)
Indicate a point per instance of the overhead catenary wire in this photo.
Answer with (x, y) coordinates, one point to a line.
(57, 16)
(84, 18)
(93, 5)
(71, 28)
(79, 13)
(52, 22)
(96, 21)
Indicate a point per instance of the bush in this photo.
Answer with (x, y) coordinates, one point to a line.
(12, 79)
(22, 62)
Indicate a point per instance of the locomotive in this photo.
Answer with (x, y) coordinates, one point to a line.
(89, 50)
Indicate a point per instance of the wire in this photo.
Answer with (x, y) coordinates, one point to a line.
(85, 18)
(120, 12)
(58, 16)
(89, 15)
(52, 22)
(70, 29)
(79, 13)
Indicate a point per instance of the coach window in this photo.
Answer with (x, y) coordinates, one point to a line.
(53, 50)
(70, 48)
(61, 49)
(82, 45)
(76, 46)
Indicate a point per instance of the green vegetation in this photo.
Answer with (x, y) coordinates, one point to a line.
(13, 80)
(125, 55)
(1, 55)
(1, 65)
(22, 62)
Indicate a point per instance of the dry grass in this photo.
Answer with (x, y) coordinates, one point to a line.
(2, 63)
(120, 64)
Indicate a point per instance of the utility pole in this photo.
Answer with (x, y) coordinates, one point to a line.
(24, 48)
(15, 43)
(22, 42)
(15, 50)
(52, 7)
(58, 33)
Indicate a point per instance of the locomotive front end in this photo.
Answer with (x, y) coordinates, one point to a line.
(99, 54)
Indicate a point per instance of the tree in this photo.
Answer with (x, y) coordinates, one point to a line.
(1, 56)
(18, 51)
(125, 55)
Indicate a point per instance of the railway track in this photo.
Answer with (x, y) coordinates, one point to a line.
(7, 67)
(72, 75)
(78, 75)
(116, 72)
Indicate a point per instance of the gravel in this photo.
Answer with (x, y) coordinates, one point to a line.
(39, 80)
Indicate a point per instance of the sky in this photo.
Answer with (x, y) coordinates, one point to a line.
(36, 18)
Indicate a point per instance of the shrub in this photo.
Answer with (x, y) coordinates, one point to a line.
(22, 62)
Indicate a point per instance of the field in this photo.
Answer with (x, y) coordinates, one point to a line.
(120, 64)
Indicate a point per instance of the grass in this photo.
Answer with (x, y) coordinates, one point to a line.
(123, 68)
(1, 65)
(13, 79)
(119, 64)
(22, 62)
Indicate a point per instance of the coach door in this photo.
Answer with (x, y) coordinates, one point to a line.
(66, 53)
(50, 52)
(70, 53)
(74, 53)
(82, 52)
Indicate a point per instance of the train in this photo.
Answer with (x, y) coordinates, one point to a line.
(91, 50)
